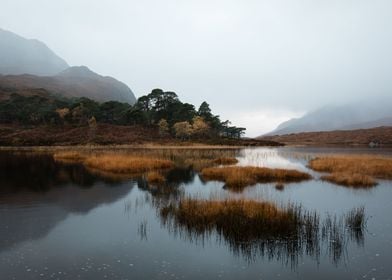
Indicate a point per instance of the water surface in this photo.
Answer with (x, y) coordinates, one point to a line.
(59, 221)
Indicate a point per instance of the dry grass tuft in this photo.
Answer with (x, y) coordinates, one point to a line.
(234, 217)
(69, 156)
(356, 171)
(350, 179)
(225, 161)
(238, 177)
(375, 166)
(117, 163)
(154, 177)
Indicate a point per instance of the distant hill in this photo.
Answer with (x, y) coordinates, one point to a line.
(359, 115)
(72, 82)
(28, 65)
(23, 56)
(383, 135)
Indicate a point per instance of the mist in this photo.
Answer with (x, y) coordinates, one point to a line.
(258, 63)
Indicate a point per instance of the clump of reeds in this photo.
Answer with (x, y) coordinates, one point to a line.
(257, 227)
(154, 177)
(70, 156)
(235, 218)
(350, 179)
(123, 163)
(238, 177)
(249, 227)
(356, 219)
(353, 170)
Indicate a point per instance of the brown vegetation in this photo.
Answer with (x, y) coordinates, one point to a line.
(251, 227)
(238, 177)
(251, 218)
(105, 134)
(118, 163)
(356, 171)
(72, 156)
(225, 161)
(337, 137)
(154, 177)
(350, 179)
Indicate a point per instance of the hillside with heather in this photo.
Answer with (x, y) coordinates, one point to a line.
(378, 135)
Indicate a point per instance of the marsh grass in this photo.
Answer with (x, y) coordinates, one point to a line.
(352, 170)
(239, 177)
(350, 179)
(155, 178)
(254, 228)
(242, 221)
(118, 163)
(69, 156)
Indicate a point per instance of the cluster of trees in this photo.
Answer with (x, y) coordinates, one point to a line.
(159, 109)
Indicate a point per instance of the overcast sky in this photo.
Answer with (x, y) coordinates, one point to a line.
(257, 63)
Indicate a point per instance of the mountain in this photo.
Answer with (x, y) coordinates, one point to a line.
(72, 82)
(361, 137)
(28, 65)
(358, 115)
(23, 56)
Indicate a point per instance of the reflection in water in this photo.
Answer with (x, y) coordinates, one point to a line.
(39, 172)
(271, 158)
(258, 229)
(40, 197)
(38, 193)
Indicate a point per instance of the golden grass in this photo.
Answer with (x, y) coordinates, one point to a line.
(350, 179)
(375, 166)
(118, 163)
(353, 170)
(245, 216)
(244, 224)
(69, 156)
(251, 227)
(238, 177)
(225, 161)
(154, 177)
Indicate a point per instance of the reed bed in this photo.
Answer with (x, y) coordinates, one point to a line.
(126, 164)
(253, 228)
(237, 219)
(239, 177)
(352, 170)
(350, 179)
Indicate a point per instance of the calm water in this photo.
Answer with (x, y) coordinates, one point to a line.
(58, 221)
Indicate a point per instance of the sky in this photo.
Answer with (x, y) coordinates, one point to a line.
(256, 62)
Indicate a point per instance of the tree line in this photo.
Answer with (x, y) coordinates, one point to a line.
(159, 109)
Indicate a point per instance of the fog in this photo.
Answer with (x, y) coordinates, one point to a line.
(257, 63)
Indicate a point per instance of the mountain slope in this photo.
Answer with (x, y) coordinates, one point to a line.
(365, 114)
(22, 56)
(72, 82)
(383, 135)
